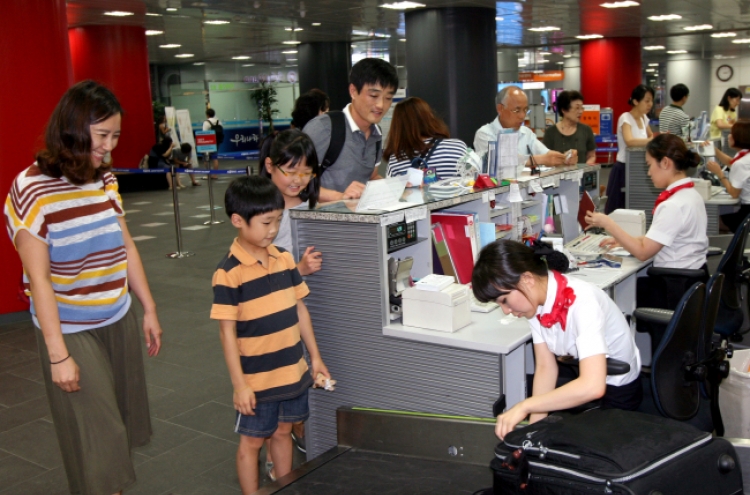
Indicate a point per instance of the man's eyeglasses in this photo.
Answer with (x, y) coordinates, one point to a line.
(301, 175)
(518, 111)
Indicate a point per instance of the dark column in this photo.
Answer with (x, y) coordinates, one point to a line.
(451, 57)
(326, 66)
(35, 62)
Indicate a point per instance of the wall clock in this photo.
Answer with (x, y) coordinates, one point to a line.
(724, 73)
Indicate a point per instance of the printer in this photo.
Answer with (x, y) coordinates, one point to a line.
(631, 221)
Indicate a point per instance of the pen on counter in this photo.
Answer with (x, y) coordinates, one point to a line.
(534, 169)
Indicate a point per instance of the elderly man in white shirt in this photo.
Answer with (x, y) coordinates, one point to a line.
(512, 108)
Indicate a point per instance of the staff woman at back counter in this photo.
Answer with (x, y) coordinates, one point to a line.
(677, 236)
(738, 180)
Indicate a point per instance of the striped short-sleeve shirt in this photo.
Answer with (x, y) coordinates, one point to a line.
(444, 160)
(88, 261)
(263, 303)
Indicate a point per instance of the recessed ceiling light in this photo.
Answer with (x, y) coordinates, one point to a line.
(676, 52)
(724, 57)
(567, 55)
(153, 14)
(153, 32)
(184, 55)
(216, 22)
(619, 5)
(723, 35)
(170, 45)
(294, 29)
(544, 28)
(654, 47)
(248, 65)
(589, 36)
(242, 57)
(199, 63)
(291, 60)
(118, 13)
(699, 27)
(403, 39)
(171, 9)
(655, 64)
(315, 24)
(290, 66)
(402, 5)
(289, 52)
(650, 70)
(291, 42)
(741, 41)
(665, 17)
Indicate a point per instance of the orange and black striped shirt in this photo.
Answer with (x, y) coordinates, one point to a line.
(263, 302)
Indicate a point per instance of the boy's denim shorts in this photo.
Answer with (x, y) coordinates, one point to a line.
(268, 415)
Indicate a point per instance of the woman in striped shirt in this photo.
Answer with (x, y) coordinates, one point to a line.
(65, 217)
(419, 139)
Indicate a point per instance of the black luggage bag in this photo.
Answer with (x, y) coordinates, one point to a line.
(614, 452)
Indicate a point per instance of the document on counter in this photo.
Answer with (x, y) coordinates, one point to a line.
(515, 193)
(383, 194)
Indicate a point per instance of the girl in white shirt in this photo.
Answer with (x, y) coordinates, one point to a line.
(568, 317)
(738, 182)
(632, 130)
(677, 237)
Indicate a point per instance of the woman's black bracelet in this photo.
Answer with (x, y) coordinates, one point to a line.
(60, 361)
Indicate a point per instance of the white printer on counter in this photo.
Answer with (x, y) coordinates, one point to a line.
(632, 221)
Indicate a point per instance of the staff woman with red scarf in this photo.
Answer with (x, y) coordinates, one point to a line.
(738, 181)
(568, 317)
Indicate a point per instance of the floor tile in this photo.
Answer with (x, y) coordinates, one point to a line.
(31, 371)
(11, 358)
(167, 436)
(211, 418)
(52, 482)
(15, 390)
(35, 442)
(201, 486)
(153, 224)
(196, 227)
(143, 238)
(163, 213)
(24, 413)
(129, 212)
(142, 203)
(14, 470)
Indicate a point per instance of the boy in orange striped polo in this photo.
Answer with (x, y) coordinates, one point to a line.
(258, 301)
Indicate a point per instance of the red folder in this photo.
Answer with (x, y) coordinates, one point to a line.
(458, 237)
(586, 205)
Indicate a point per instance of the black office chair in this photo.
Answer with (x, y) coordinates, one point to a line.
(675, 395)
(732, 265)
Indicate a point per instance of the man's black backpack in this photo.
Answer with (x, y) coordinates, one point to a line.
(218, 129)
(338, 137)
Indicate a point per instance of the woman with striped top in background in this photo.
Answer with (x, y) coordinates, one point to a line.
(420, 139)
(66, 219)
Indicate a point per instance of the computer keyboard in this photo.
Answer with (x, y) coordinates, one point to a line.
(587, 245)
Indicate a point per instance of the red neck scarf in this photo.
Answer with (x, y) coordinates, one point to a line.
(667, 193)
(564, 299)
(739, 155)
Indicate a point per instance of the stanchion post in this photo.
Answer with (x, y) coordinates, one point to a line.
(210, 185)
(249, 170)
(177, 224)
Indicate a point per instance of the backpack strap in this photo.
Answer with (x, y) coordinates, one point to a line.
(338, 137)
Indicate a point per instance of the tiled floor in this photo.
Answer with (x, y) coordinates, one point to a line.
(193, 448)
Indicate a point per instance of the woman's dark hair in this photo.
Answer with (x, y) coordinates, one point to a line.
(673, 147)
(413, 121)
(741, 134)
(501, 264)
(565, 99)
(729, 93)
(308, 106)
(639, 92)
(67, 139)
(253, 195)
(373, 71)
(291, 147)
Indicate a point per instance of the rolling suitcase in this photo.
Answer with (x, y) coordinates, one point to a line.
(614, 452)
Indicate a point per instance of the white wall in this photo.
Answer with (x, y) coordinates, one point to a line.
(572, 74)
(741, 66)
(696, 75)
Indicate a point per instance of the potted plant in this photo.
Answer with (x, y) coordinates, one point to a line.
(265, 98)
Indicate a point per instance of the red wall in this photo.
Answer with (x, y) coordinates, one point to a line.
(117, 56)
(610, 69)
(36, 71)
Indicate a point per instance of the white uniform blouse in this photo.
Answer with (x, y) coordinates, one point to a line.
(595, 325)
(679, 224)
(739, 177)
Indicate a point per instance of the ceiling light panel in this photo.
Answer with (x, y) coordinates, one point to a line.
(741, 41)
(402, 5)
(619, 5)
(153, 32)
(665, 17)
(216, 22)
(542, 29)
(723, 35)
(654, 47)
(184, 55)
(291, 42)
(118, 13)
(699, 27)
(242, 57)
(170, 45)
(589, 36)
(676, 52)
